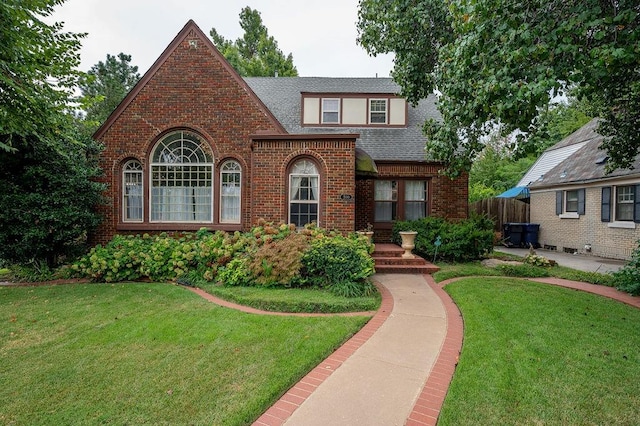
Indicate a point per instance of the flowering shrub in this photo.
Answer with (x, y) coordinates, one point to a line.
(268, 255)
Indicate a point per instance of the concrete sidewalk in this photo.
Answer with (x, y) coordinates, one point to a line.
(580, 262)
(381, 381)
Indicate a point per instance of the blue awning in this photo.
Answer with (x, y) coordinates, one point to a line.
(515, 192)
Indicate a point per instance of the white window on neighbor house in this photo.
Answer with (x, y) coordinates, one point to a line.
(377, 111)
(181, 179)
(230, 192)
(132, 194)
(571, 201)
(330, 111)
(304, 193)
(624, 203)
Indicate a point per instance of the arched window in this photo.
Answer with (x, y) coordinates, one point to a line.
(230, 192)
(181, 179)
(304, 193)
(132, 191)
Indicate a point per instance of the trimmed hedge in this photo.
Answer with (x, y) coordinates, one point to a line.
(461, 241)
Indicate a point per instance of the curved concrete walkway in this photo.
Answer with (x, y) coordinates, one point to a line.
(395, 371)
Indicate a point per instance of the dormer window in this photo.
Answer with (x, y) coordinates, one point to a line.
(353, 110)
(377, 111)
(330, 111)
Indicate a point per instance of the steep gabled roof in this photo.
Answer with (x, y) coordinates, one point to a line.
(283, 96)
(177, 41)
(560, 152)
(587, 164)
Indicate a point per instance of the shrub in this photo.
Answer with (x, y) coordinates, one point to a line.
(47, 201)
(340, 263)
(627, 278)
(461, 241)
(268, 255)
(278, 262)
(161, 257)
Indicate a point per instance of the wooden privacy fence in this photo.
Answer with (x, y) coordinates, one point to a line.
(502, 210)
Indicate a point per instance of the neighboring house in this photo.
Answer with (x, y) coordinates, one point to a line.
(579, 207)
(195, 145)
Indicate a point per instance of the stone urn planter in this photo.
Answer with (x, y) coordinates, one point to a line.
(408, 239)
(368, 234)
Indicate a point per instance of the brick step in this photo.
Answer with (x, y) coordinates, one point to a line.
(407, 269)
(388, 259)
(396, 260)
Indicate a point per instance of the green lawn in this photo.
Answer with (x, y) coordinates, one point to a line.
(293, 299)
(538, 354)
(148, 354)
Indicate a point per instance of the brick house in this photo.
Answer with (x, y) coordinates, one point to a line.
(579, 207)
(195, 145)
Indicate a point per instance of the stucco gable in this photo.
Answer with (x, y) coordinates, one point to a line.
(211, 70)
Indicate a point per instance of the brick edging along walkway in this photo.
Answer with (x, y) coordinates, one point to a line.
(278, 413)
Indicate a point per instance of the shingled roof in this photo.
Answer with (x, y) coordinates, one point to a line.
(283, 96)
(585, 165)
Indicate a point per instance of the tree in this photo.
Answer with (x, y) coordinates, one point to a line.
(105, 85)
(256, 54)
(48, 199)
(48, 194)
(554, 124)
(500, 61)
(37, 73)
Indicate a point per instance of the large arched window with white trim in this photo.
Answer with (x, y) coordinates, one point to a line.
(304, 194)
(132, 194)
(181, 179)
(230, 192)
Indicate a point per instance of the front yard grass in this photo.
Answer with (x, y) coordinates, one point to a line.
(148, 354)
(475, 268)
(293, 299)
(540, 354)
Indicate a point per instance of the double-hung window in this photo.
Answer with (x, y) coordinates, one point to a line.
(378, 111)
(386, 200)
(624, 203)
(571, 201)
(304, 193)
(330, 111)
(415, 199)
(570, 204)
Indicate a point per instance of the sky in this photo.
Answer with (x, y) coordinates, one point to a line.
(321, 35)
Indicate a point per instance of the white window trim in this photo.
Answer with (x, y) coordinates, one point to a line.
(222, 172)
(386, 111)
(622, 224)
(322, 110)
(126, 171)
(154, 165)
(290, 202)
(570, 215)
(616, 203)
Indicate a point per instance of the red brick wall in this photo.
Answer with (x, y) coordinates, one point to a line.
(192, 89)
(448, 198)
(335, 159)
